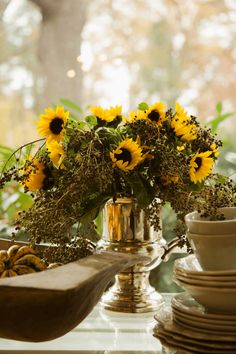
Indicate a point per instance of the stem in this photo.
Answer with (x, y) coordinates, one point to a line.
(20, 148)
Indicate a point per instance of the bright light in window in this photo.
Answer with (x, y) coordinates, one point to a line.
(71, 73)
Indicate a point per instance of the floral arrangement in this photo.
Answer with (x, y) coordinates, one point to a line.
(155, 155)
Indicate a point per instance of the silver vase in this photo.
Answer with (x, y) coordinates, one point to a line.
(125, 229)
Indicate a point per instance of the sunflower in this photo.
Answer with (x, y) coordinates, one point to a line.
(107, 115)
(170, 179)
(52, 123)
(115, 111)
(56, 153)
(180, 147)
(214, 149)
(200, 166)
(156, 114)
(34, 176)
(135, 116)
(127, 155)
(182, 126)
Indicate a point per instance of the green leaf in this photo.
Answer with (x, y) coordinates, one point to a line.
(214, 123)
(74, 116)
(27, 151)
(93, 207)
(5, 153)
(24, 200)
(98, 222)
(196, 186)
(222, 179)
(142, 190)
(219, 107)
(70, 104)
(82, 125)
(143, 106)
(92, 120)
(6, 149)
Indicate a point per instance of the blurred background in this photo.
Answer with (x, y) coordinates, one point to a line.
(108, 52)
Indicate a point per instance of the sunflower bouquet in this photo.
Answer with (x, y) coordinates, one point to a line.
(155, 155)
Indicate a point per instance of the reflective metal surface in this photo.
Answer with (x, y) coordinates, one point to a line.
(125, 229)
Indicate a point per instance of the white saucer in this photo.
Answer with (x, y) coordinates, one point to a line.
(186, 304)
(219, 278)
(206, 320)
(205, 282)
(204, 327)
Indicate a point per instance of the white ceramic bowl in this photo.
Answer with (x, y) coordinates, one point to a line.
(189, 266)
(214, 252)
(199, 225)
(222, 300)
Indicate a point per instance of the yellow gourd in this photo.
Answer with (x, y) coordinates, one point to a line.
(18, 260)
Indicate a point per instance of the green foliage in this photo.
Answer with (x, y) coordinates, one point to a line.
(5, 154)
(219, 107)
(12, 197)
(227, 158)
(15, 158)
(71, 105)
(92, 120)
(196, 186)
(143, 106)
(141, 189)
(13, 200)
(219, 118)
(75, 110)
(93, 206)
(221, 179)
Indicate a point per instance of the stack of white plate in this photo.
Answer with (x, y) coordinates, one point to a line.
(216, 290)
(203, 319)
(188, 313)
(187, 328)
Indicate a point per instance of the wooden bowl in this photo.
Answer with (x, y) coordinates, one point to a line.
(46, 305)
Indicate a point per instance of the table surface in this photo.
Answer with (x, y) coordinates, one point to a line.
(102, 332)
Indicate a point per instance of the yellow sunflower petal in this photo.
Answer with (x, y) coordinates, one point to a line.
(127, 155)
(156, 114)
(181, 147)
(201, 166)
(181, 124)
(33, 174)
(135, 116)
(107, 115)
(214, 149)
(170, 179)
(52, 124)
(56, 153)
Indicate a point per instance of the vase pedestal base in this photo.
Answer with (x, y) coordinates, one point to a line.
(127, 230)
(132, 293)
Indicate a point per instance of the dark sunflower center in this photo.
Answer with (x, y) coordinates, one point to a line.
(56, 125)
(48, 179)
(198, 161)
(125, 155)
(154, 116)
